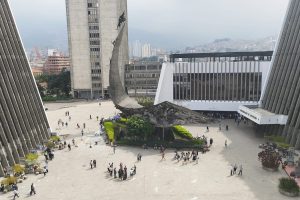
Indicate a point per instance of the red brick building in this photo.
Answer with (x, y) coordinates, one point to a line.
(55, 63)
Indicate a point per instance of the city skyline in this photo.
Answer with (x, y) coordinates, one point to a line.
(165, 29)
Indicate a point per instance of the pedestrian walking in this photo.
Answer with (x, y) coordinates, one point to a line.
(69, 146)
(73, 141)
(227, 127)
(69, 118)
(90, 116)
(84, 125)
(94, 163)
(91, 164)
(45, 171)
(211, 141)
(97, 118)
(66, 124)
(32, 190)
(163, 156)
(225, 143)
(234, 168)
(207, 129)
(114, 148)
(219, 127)
(240, 170)
(82, 132)
(16, 194)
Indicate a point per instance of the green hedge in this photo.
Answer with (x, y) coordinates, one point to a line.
(289, 185)
(280, 141)
(109, 129)
(181, 132)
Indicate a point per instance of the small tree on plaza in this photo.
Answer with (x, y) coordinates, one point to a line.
(269, 159)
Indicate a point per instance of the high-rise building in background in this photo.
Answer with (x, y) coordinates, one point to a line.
(146, 50)
(92, 29)
(23, 122)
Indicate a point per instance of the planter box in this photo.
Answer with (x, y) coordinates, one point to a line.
(288, 193)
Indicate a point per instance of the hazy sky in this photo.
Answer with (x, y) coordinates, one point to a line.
(165, 23)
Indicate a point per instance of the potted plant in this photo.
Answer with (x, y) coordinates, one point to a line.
(270, 159)
(288, 187)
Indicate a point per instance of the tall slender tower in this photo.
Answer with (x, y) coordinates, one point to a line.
(23, 123)
(92, 29)
(282, 94)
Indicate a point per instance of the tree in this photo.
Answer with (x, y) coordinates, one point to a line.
(140, 127)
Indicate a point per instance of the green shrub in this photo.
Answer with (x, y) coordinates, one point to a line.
(181, 132)
(279, 140)
(123, 120)
(32, 156)
(55, 138)
(289, 185)
(9, 180)
(109, 129)
(145, 101)
(50, 144)
(18, 169)
(140, 127)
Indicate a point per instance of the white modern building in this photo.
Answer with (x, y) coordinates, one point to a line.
(92, 29)
(214, 81)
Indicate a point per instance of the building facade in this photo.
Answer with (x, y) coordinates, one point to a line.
(92, 29)
(214, 81)
(23, 122)
(55, 63)
(141, 78)
(281, 98)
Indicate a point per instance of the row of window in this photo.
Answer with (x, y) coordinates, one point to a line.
(96, 71)
(94, 49)
(94, 42)
(91, 27)
(94, 35)
(147, 75)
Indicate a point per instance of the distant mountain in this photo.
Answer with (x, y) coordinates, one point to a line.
(229, 45)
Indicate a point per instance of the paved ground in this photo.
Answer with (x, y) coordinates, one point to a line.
(69, 175)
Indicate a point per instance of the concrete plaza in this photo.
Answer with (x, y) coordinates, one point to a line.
(70, 176)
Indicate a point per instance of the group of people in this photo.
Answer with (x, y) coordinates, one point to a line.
(122, 173)
(186, 156)
(93, 164)
(235, 168)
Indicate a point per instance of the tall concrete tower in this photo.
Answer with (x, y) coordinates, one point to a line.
(282, 94)
(92, 29)
(23, 123)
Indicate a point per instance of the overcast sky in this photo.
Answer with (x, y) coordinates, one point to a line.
(165, 23)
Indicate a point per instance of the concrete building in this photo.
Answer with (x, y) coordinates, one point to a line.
(214, 81)
(279, 110)
(92, 30)
(55, 63)
(23, 123)
(141, 78)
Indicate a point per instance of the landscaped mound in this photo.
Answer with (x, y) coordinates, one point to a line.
(288, 187)
(138, 131)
